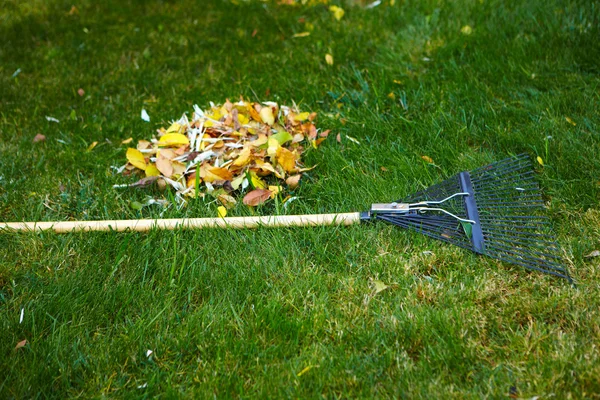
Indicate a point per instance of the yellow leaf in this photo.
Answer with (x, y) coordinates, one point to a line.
(91, 146)
(305, 370)
(256, 182)
(466, 30)
(540, 161)
(136, 158)
(274, 190)
(211, 174)
(127, 141)
(569, 120)
(173, 139)
(286, 159)
(392, 96)
(301, 34)
(221, 211)
(242, 119)
(302, 116)
(379, 286)
(243, 158)
(151, 170)
(174, 128)
(273, 146)
(338, 12)
(329, 59)
(266, 114)
(427, 159)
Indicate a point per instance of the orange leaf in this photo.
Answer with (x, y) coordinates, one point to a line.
(256, 197)
(211, 174)
(286, 159)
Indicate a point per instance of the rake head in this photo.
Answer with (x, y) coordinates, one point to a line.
(494, 210)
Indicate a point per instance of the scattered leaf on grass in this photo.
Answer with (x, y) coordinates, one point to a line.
(329, 59)
(593, 254)
(338, 12)
(305, 370)
(379, 286)
(569, 120)
(22, 343)
(145, 115)
(427, 159)
(257, 197)
(540, 161)
(466, 30)
(81, 92)
(39, 138)
(221, 211)
(91, 146)
(353, 140)
(301, 34)
(127, 141)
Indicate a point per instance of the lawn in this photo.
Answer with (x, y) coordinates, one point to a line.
(293, 312)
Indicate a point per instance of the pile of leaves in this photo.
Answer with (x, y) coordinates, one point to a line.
(228, 150)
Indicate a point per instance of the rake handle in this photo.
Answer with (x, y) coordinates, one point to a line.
(142, 225)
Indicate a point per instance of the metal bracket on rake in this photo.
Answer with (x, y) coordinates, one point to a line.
(421, 207)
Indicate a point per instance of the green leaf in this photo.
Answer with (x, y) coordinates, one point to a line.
(468, 228)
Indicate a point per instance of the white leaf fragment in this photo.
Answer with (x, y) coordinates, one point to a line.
(145, 115)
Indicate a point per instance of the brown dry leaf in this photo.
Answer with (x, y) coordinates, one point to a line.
(81, 92)
(39, 138)
(164, 166)
(143, 145)
(22, 343)
(257, 197)
(293, 181)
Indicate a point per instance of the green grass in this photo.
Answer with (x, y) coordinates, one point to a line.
(242, 313)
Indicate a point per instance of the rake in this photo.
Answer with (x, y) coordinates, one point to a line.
(495, 210)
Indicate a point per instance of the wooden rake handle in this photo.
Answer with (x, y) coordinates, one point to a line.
(142, 225)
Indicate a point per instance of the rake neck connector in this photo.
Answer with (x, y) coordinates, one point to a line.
(472, 212)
